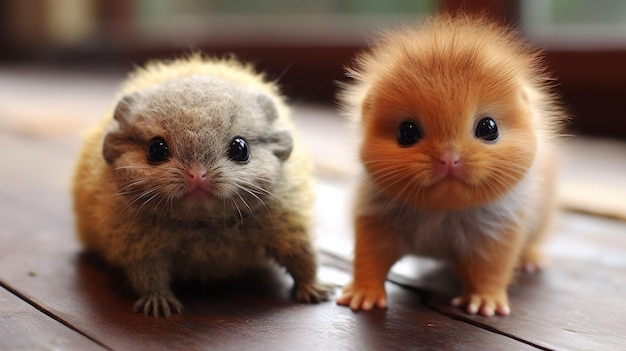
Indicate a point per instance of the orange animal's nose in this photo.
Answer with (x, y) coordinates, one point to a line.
(450, 162)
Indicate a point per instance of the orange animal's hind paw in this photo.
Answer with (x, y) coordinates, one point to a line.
(486, 305)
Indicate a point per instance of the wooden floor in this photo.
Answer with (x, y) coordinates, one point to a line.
(54, 297)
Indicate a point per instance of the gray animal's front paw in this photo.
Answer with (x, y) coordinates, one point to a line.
(158, 303)
(313, 293)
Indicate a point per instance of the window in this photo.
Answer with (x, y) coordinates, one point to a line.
(575, 23)
(274, 22)
(307, 43)
(585, 42)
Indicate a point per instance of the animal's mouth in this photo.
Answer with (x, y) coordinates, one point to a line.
(451, 180)
(198, 193)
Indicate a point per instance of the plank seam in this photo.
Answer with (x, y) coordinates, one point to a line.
(51, 315)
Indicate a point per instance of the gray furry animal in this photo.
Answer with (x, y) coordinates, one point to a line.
(196, 174)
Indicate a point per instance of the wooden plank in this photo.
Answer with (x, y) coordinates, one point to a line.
(252, 313)
(42, 261)
(575, 304)
(23, 327)
(558, 309)
(47, 267)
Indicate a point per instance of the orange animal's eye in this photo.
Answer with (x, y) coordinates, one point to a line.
(409, 133)
(158, 151)
(487, 129)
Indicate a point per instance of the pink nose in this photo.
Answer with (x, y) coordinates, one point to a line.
(450, 161)
(196, 177)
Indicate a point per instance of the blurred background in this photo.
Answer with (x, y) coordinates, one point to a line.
(306, 43)
(61, 62)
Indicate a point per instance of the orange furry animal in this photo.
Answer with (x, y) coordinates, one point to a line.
(458, 127)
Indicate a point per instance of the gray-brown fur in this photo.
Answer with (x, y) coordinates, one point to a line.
(139, 215)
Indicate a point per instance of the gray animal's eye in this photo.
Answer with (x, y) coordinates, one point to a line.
(158, 151)
(238, 150)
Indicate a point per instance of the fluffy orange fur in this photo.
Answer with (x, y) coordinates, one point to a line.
(483, 205)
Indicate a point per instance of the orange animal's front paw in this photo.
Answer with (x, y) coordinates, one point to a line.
(485, 304)
(362, 298)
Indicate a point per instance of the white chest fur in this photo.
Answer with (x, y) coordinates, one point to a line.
(444, 234)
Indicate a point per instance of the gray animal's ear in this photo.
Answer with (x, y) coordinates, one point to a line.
(280, 141)
(268, 106)
(281, 144)
(112, 146)
(123, 110)
(115, 138)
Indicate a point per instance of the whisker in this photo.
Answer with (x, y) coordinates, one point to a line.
(224, 214)
(151, 193)
(155, 193)
(269, 181)
(135, 183)
(393, 179)
(385, 160)
(171, 200)
(132, 167)
(259, 189)
(245, 203)
(251, 192)
(238, 210)
(387, 171)
(163, 198)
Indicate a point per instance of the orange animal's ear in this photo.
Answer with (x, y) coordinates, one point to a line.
(366, 108)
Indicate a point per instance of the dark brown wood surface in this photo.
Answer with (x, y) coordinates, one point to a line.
(55, 297)
(24, 327)
(575, 304)
(43, 266)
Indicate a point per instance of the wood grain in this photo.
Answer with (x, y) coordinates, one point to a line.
(23, 327)
(253, 313)
(42, 261)
(575, 304)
